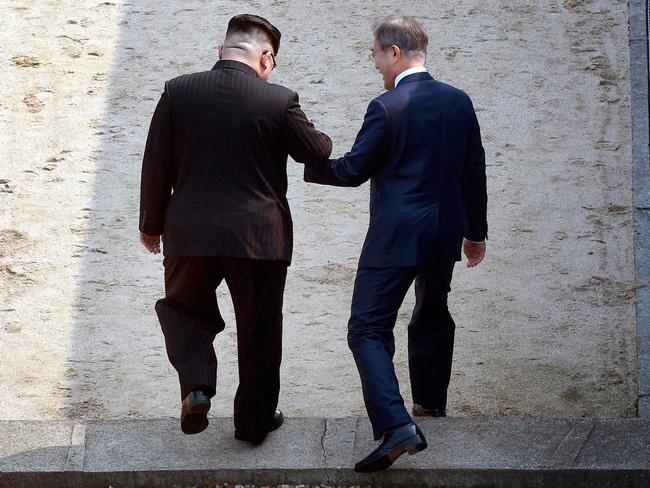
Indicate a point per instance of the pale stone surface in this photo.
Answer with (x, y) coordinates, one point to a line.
(462, 452)
(545, 325)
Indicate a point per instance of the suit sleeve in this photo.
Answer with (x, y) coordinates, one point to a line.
(157, 177)
(304, 143)
(473, 183)
(368, 153)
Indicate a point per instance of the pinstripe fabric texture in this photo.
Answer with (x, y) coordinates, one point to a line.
(214, 177)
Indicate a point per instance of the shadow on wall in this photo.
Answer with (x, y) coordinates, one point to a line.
(117, 348)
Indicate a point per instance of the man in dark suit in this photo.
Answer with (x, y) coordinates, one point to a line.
(420, 146)
(214, 185)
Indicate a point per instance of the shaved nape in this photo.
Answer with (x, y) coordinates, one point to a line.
(256, 26)
(252, 42)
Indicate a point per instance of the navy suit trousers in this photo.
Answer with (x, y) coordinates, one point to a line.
(377, 297)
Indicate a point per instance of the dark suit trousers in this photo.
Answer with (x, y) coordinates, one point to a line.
(377, 297)
(190, 319)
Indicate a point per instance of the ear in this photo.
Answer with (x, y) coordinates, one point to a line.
(265, 61)
(220, 51)
(395, 52)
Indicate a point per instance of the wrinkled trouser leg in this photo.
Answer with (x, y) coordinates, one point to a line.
(378, 294)
(431, 337)
(190, 319)
(257, 290)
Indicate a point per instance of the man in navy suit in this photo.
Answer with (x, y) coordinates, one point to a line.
(420, 146)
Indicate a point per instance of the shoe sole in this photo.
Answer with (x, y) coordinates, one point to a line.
(414, 449)
(196, 419)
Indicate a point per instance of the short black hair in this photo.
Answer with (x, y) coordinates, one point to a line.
(248, 22)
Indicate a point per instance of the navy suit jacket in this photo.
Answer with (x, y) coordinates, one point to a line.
(420, 146)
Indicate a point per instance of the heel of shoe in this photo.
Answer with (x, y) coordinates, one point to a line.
(414, 449)
(203, 407)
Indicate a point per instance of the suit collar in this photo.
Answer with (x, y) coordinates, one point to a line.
(237, 65)
(415, 77)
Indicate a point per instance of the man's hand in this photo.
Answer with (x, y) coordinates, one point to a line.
(152, 243)
(475, 252)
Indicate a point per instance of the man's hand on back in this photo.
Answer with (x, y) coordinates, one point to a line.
(152, 243)
(475, 252)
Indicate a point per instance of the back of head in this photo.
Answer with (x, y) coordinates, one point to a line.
(254, 27)
(403, 31)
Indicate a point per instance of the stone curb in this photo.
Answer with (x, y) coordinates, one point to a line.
(639, 66)
(462, 452)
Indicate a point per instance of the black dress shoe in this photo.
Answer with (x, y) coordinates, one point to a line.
(194, 412)
(276, 422)
(394, 443)
(420, 411)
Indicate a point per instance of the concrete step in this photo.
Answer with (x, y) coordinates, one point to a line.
(462, 453)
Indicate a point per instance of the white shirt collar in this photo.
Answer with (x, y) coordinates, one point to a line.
(410, 71)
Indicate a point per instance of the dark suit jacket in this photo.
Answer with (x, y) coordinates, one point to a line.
(420, 145)
(214, 178)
